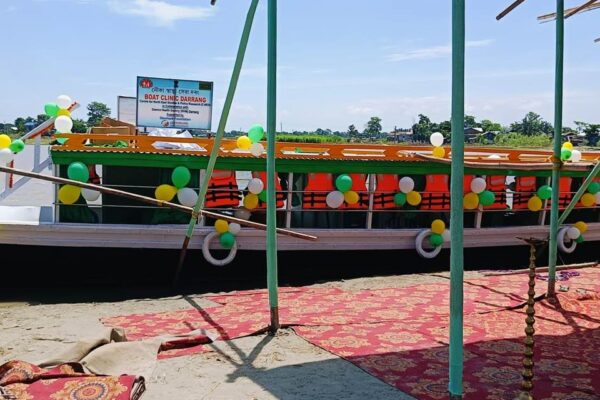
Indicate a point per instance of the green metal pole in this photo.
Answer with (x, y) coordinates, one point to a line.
(235, 76)
(456, 197)
(272, 283)
(558, 121)
(586, 183)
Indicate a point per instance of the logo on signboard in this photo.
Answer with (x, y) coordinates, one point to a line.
(146, 83)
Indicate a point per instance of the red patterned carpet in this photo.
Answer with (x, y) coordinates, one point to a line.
(400, 335)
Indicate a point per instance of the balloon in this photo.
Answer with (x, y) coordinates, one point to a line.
(78, 171)
(471, 201)
(187, 197)
(580, 239)
(565, 154)
(576, 156)
(567, 145)
(593, 188)
(573, 233)
(588, 200)
(436, 139)
(244, 142)
(478, 185)
(63, 124)
(227, 240)
(51, 109)
(90, 195)
(242, 213)
(439, 152)
(5, 141)
(544, 192)
(256, 186)
(487, 198)
(343, 183)
(438, 226)
(165, 192)
(436, 239)
(17, 146)
(64, 113)
(446, 235)
(400, 199)
(64, 101)
(334, 199)
(69, 194)
(351, 197)
(494, 157)
(257, 149)
(413, 198)
(234, 228)
(262, 196)
(6, 156)
(221, 226)
(582, 226)
(181, 177)
(256, 133)
(407, 184)
(250, 201)
(534, 204)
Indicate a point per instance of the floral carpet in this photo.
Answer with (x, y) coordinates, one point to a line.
(400, 335)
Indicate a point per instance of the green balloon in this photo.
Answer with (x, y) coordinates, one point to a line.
(544, 192)
(256, 133)
(62, 140)
(594, 187)
(400, 199)
(565, 154)
(51, 109)
(343, 183)
(227, 240)
(487, 198)
(580, 239)
(181, 177)
(78, 171)
(262, 196)
(436, 240)
(17, 146)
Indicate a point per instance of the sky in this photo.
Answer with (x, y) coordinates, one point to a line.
(340, 61)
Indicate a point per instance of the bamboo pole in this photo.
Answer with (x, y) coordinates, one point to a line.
(558, 122)
(582, 7)
(272, 281)
(456, 350)
(153, 201)
(509, 9)
(219, 135)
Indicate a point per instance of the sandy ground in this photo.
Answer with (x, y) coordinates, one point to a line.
(260, 367)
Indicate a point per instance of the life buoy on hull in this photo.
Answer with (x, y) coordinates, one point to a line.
(208, 257)
(562, 244)
(425, 233)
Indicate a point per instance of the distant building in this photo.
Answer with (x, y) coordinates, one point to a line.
(400, 135)
(471, 134)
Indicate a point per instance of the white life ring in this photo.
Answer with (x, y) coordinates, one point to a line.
(425, 233)
(208, 257)
(562, 245)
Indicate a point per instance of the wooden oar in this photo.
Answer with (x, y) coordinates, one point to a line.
(153, 201)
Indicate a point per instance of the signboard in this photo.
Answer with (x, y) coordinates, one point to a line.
(174, 103)
(126, 109)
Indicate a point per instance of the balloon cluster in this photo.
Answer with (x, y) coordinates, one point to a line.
(576, 231)
(437, 140)
(69, 194)
(227, 232)
(479, 195)
(180, 177)
(568, 154)
(344, 192)
(407, 193)
(256, 189)
(592, 197)
(536, 202)
(8, 148)
(251, 142)
(439, 233)
(60, 111)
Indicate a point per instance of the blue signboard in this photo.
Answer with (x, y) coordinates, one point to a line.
(174, 103)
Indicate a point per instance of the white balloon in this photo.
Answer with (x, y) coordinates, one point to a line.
(446, 235)
(407, 184)
(234, 228)
(478, 185)
(257, 149)
(335, 199)
(243, 213)
(6, 156)
(573, 233)
(187, 197)
(90, 195)
(494, 156)
(576, 156)
(63, 124)
(256, 186)
(64, 101)
(436, 139)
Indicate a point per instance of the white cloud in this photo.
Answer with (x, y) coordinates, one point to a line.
(158, 12)
(429, 53)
